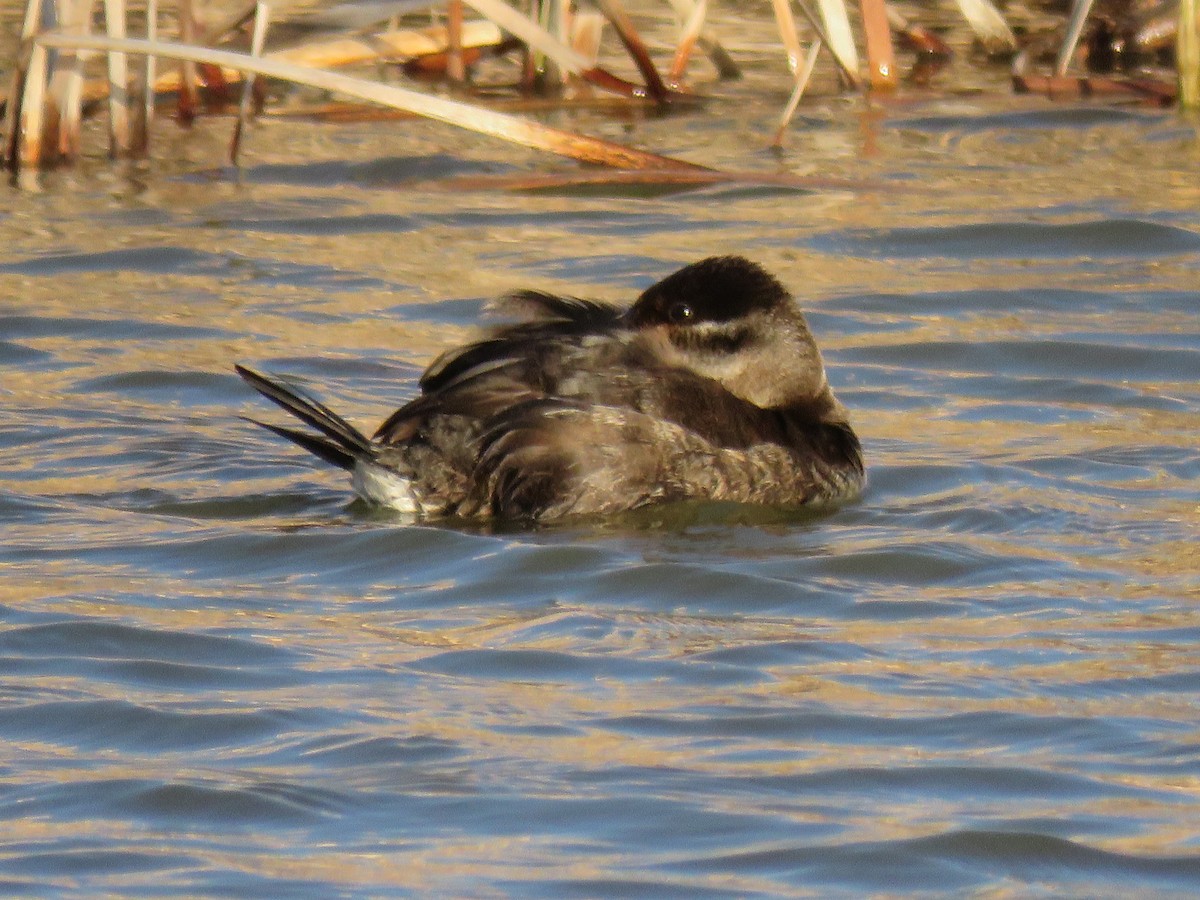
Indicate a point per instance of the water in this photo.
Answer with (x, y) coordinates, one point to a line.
(219, 677)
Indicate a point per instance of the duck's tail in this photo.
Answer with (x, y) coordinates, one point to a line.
(343, 445)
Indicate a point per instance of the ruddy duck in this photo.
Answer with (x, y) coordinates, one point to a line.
(709, 387)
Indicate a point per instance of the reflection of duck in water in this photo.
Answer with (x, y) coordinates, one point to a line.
(709, 387)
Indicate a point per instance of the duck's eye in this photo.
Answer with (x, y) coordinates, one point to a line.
(680, 313)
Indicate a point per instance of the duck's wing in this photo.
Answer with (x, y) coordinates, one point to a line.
(511, 364)
(476, 395)
(630, 435)
(549, 319)
(540, 306)
(548, 458)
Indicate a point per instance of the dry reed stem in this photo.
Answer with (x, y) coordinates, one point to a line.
(142, 113)
(1187, 54)
(32, 120)
(803, 74)
(149, 72)
(185, 106)
(988, 25)
(29, 27)
(689, 34)
(66, 84)
(538, 39)
(684, 179)
(708, 41)
(727, 67)
(918, 37)
(519, 131)
(615, 12)
(219, 29)
(849, 75)
(838, 34)
(561, 19)
(531, 33)
(400, 45)
(881, 58)
(348, 111)
(587, 28)
(43, 103)
(551, 16)
(786, 23)
(1080, 10)
(1071, 87)
(13, 110)
(456, 69)
(262, 13)
(119, 140)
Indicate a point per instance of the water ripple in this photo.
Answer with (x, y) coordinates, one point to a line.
(221, 677)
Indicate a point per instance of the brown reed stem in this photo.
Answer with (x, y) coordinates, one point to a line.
(881, 57)
(456, 69)
(615, 12)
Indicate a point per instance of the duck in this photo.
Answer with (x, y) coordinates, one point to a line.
(710, 386)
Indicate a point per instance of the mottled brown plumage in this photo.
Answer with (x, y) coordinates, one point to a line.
(709, 386)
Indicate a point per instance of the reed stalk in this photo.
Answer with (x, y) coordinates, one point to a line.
(918, 36)
(31, 146)
(988, 25)
(258, 37)
(66, 82)
(838, 35)
(13, 109)
(456, 69)
(708, 41)
(149, 73)
(544, 70)
(529, 32)
(221, 28)
(394, 45)
(689, 34)
(786, 23)
(462, 115)
(397, 45)
(120, 142)
(615, 12)
(562, 21)
(1080, 10)
(802, 78)
(587, 30)
(727, 67)
(1187, 54)
(141, 106)
(881, 58)
(185, 105)
(539, 39)
(849, 72)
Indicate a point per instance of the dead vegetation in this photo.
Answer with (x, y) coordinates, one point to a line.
(78, 57)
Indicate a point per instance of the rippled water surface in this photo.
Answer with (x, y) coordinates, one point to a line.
(219, 677)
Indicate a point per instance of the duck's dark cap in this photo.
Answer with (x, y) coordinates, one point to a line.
(720, 288)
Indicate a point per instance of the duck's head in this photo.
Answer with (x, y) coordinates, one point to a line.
(730, 320)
